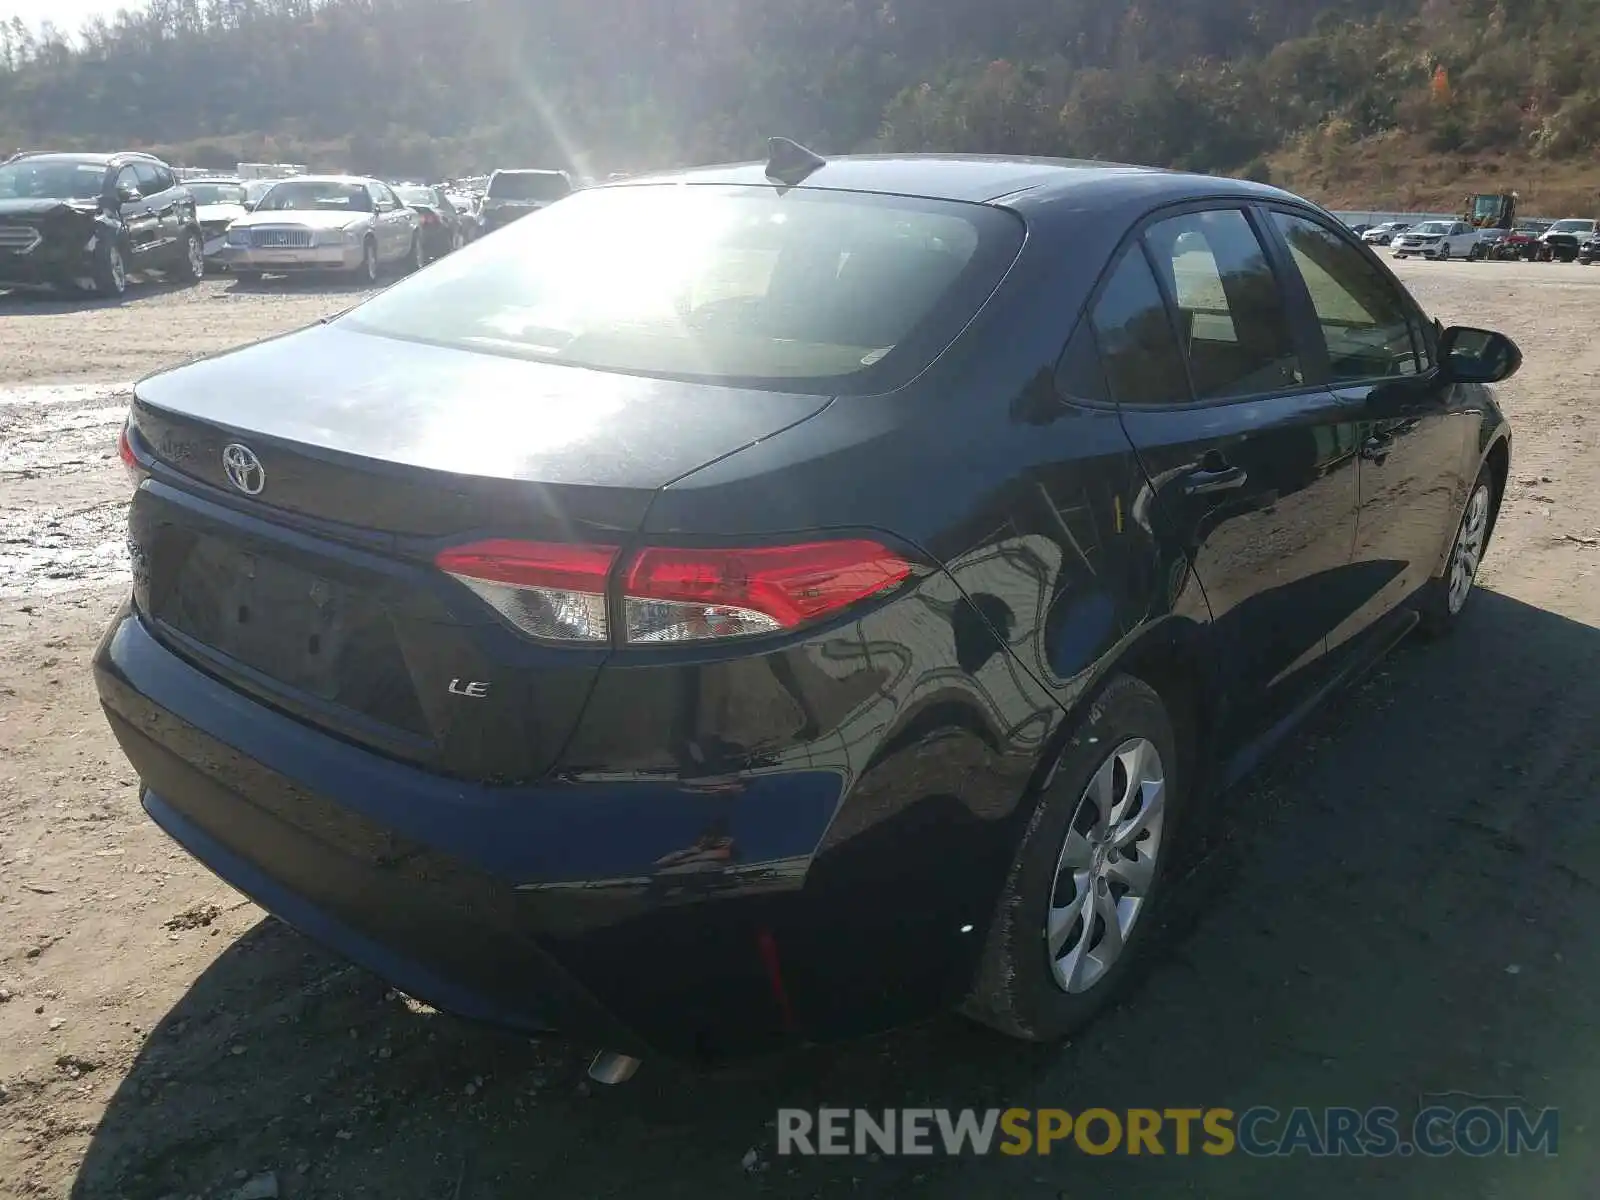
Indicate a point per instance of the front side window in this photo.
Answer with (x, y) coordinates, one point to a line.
(1362, 313)
(149, 179)
(1231, 311)
(1138, 351)
(796, 290)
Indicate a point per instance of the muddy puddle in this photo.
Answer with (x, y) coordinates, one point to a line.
(62, 510)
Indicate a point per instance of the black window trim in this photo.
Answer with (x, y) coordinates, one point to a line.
(1421, 328)
(1306, 339)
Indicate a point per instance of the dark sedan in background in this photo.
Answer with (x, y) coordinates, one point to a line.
(443, 228)
(778, 601)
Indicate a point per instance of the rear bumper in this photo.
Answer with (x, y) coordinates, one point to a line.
(527, 907)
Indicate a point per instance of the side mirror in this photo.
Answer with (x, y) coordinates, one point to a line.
(1478, 355)
(127, 193)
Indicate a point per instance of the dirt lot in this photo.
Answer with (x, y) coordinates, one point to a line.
(1406, 907)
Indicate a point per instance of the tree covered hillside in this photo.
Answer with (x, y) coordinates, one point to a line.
(434, 86)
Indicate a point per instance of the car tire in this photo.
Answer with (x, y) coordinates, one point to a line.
(1445, 597)
(1444, 253)
(1045, 971)
(110, 270)
(192, 266)
(367, 273)
(418, 258)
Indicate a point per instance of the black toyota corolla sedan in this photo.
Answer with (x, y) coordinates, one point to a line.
(778, 601)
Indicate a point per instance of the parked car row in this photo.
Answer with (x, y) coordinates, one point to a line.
(87, 222)
(1568, 240)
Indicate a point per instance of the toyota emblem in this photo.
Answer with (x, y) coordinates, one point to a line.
(244, 469)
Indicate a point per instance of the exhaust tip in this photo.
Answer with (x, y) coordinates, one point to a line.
(609, 1067)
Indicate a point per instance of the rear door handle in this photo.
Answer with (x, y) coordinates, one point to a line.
(1223, 479)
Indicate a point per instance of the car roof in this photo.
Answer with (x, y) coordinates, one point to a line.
(527, 171)
(100, 157)
(984, 179)
(354, 179)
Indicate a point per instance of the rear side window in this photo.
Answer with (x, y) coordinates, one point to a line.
(1231, 312)
(808, 291)
(1362, 313)
(1138, 350)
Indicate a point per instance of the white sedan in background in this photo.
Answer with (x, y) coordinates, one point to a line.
(341, 223)
(1436, 239)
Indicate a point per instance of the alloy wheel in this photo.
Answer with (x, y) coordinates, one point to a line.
(119, 269)
(1107, 866)
(369, 262)
(197, 257)
(1468, 552)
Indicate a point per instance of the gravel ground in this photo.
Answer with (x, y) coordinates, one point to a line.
(1405, 906)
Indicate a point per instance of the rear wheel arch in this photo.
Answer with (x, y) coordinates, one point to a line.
(1170, 658)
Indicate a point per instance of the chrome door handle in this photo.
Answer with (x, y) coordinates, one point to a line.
(1224, 479)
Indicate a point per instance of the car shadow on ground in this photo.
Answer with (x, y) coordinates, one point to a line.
(1402, 906)
(30, 303)
(300, 284)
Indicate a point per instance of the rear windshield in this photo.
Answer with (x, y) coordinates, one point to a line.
(416, 195)
(798, 291)
(301, 194)
(529, 185)
(1572, 226)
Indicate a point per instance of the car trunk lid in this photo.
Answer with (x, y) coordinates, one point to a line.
(306, 575)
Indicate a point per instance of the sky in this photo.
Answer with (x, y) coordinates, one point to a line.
(67, 14)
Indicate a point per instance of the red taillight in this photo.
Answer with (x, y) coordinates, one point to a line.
(430, 218)
(558, 592)
(125, 452)
(686, 595)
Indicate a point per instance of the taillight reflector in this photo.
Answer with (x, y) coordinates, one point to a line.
(547, 590)
(125, 452)
(558, 591)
